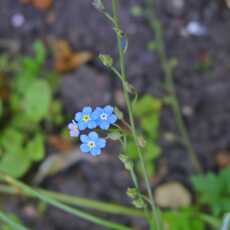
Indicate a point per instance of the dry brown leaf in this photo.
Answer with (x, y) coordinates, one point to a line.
(58, 162)
(223, 159)
(172, 195)
(60, 143)
(39, 4)
(66, 60)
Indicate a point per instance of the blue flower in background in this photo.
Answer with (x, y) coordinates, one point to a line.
(85, 119)
(92, 143)
(104, 116)
(73, 129)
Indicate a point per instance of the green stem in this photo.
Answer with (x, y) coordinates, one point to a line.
(88, 217)
(131, 118)
(7, 220)
(156, 27)
(78, 201)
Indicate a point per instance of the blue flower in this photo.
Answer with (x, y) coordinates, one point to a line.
(73, 129)
(85, 119)
(92, 143)
(104, 116)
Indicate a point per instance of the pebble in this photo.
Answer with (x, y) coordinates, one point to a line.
(194, 28)
(17, 20)
(174, 7)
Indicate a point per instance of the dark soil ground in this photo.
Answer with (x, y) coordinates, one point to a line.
(204, 95)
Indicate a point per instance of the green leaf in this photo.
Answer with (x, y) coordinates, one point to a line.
(40, 52)
(213, 190)
(136, 11)
(20, 121)
(183, 219)
(37, 101)
(11, 140)
(35, 148)
(115, 136)
(131, 149)
(147, 104)
(15, 164)
(106, 60)
(30, 67)
(150, 124)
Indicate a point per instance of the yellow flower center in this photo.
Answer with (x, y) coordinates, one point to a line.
(86, 118)
(91, 144)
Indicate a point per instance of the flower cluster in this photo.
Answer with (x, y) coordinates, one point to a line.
(91, 119)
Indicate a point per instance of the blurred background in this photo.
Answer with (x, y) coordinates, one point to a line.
(49, 70)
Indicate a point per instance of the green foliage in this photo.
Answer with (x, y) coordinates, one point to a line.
(214, 191)
(14, 219)
(183, 219)
(29, 104)
(147, 111)
(37, 101)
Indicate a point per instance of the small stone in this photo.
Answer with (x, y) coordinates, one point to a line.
(172, 195)
(174, 7)
(194, 28)
(17, 20)
(187, 111)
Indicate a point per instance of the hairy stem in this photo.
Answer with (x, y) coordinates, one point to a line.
(130, 112)
(168, 71)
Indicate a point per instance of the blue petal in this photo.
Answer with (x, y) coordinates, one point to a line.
(95, 115)
(84, 138)
(74, 133)
(108, 109)
(93, 136)
(104, 125)
(101, 142)
(71, 125)
(112, 119)
(95, 151)
(84, 148)
(78, 116)
(87, 110)
(92, 124)
(82, 125)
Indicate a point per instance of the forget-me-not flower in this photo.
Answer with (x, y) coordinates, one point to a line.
(73, 129)
(84, 119)
(104, 116)
(92, 143)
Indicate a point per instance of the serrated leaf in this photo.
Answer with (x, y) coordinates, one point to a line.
(37, 101)
(183, 219)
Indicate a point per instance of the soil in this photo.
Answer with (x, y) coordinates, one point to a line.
(203, 92)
